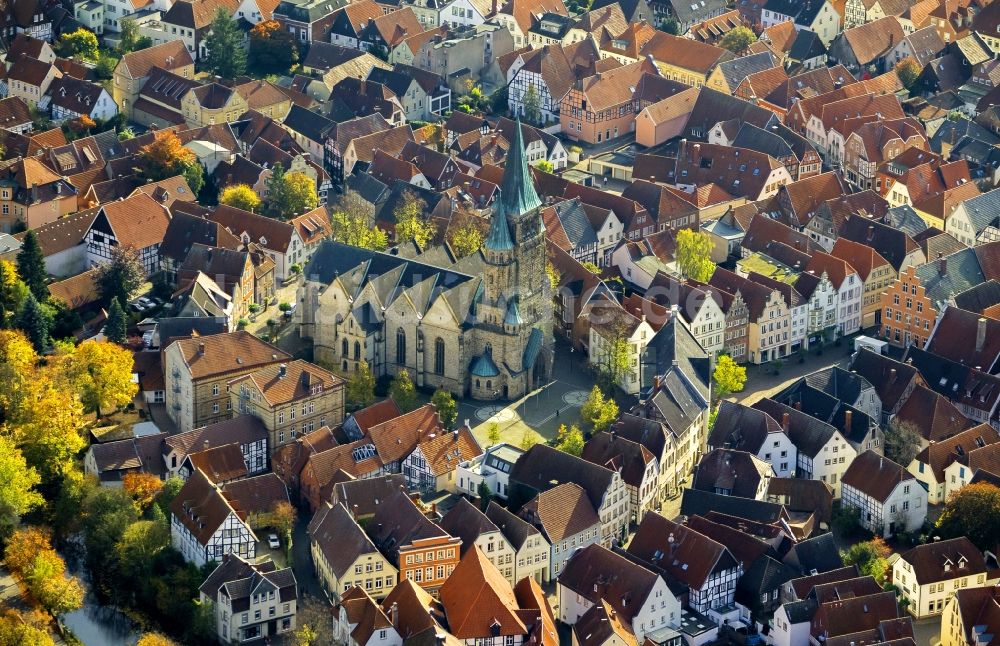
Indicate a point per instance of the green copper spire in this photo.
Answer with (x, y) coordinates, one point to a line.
(517, 188)
(517, 194)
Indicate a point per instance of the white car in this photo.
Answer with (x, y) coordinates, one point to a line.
(272, 541)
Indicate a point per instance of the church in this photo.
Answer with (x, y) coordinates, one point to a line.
(479, 326)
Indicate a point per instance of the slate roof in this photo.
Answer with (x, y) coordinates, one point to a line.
(540, 465)
(737, 69)
(514, 528)
(398, 522)
(818, 553)
(338, 536)
(889, 377)
(690, 557)
(701, 503)
(928, 561)
(738, 426)
(808, 434)
(738, 472)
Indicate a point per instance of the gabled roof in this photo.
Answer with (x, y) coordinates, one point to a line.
(929, 561)
(478, 601)
(138, 221)
(201, 507)
(339, 538)
(738, 426)
(224, 353)
(398, 522)
(596, 573)
(875, 476)
(931, 415)
(170, 55)
(562, 512)
(678, 551)
(737, 473)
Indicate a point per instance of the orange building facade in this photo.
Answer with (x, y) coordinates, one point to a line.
(908, 315)
(428, 562)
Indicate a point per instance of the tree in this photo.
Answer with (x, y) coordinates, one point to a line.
(410, 221)
(289, 194)
(121, 277)
(467, 238)
(403, 392)
(570, 440)
(738, 39)
(104, 69)
(614, 363)
(81, 126)
(313, 619)
(544, 165)
(870, 557)
(694, 254)
(973, 511)
(908, 72)
(31, 266)
(598, 412)
(671, 26)
(553, 275)
(528, 439)
(114, 328)
(49, 436)
(532, 103)
(591, 267)
(34, 323)
(13, 291)
(23, 545)
(81, 42)
(17, 485)
(165, 157)
(17, 630)
(103, 374)
(283, 518)
(171, 487)
(272, 48)
(143, 487)
(446, 407)
(902, 442)
(139, 545)
(485, 495)
(240, 196)
(493, 435)
(361, 387)
(355, 230)
(48, 584)
(154, 639)
(130, 40)
(226, 55)
(17, 363)
(65, 321)
(729, 377)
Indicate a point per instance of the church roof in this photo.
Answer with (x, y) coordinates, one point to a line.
(532, 348)
(483, 366)
(513, 316)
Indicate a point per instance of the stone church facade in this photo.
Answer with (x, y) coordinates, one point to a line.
(480, 326)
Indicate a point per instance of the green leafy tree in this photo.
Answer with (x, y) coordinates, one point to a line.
(31, 266)
(273, 49)
(553, 275)
(671, 26)
(532, 103)
(355, 230)
(908, 72)
(106, 514)
(104, 68)
(973, 511)
(737, 40)
(493, 434)
(49, 585)
(544, 165)
(226, 55)
(140, 544)
(467, 238)
(870, 557)
(17, 486)
(613, 359)
(902, 442)
(729, 377)
(361, 387)
(485, 495)
(694, 254)
(570, 440)
(65, 321)
(410, 221)
(289, 194)
(121, 277)
(598, 412)
(528, 439)
(171, 487)
(403, 392)
(13, 291)
(33, 322)
(130, 40)
(81, 42)
(446, 407)
(114, 329)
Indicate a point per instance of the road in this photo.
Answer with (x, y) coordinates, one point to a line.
(763, 382)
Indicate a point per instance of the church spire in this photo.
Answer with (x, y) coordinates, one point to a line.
(517, 188)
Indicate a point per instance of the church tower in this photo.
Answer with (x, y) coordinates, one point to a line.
(514, 328)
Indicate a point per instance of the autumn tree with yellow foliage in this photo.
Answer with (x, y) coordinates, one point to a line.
(240, 196)
(102, 373)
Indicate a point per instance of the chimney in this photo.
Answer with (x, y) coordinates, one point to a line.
(204, 445)
(784, 422)
(354, 511)
(434, 509)
(201, 348)
(980, 333)
(871, 232)
(848, 418)
(394, 614)
(282, 371)
(892, 374)
(306, 379)
(942, 265)
(454, 435)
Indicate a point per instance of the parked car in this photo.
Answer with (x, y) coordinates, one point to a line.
(272, 541)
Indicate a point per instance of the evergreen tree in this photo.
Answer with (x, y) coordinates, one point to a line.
(31, 266)
(276, 197)
(33, 322)
(226, 55)
(114, 329)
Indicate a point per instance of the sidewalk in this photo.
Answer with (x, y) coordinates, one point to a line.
(762, 382)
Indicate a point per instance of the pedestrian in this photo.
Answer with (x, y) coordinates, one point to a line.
(557, 412)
